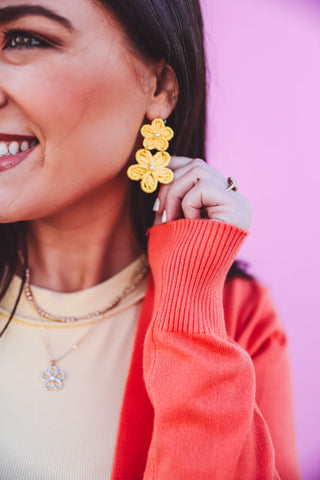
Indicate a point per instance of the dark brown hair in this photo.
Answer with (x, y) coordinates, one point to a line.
(156, 29)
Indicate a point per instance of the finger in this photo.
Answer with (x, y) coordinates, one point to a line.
(177, 191)
(236, 211)
(160, 217)
(177, 162)
(198, 169)
(202, 195)
(182, 164)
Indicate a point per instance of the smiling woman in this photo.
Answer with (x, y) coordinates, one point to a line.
(130, 337)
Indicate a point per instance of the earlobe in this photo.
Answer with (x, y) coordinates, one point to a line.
(165, 95)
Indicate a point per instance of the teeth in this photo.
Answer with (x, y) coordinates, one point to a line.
(15, 147)
(24, 146)
(3, 149)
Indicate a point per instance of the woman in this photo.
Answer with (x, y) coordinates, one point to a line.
(107, 372)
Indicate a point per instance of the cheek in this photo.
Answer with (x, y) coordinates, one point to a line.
(87, 121)
(87, 116)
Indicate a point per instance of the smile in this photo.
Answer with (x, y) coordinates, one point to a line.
(15, 146)
(14, 149)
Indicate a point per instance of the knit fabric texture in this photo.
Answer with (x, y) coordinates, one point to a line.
(209, 390)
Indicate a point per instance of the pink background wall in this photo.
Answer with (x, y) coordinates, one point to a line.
(264, 129)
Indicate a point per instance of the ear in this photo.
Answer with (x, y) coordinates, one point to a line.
(164, 95)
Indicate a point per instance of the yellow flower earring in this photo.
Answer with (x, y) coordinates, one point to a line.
(151, 169)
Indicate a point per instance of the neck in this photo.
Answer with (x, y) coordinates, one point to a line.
(84, 245)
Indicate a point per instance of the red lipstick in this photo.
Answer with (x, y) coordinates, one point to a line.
(9, 161)
(6, 137)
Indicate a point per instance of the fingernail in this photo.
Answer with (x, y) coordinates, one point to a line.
(164, 216)
(156, 205)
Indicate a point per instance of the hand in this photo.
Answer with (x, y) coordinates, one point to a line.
(198, 191)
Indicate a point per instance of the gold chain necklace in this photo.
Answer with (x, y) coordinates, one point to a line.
(53, 378)
(88, 316)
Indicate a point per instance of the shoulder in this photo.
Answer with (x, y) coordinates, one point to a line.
(250, 315)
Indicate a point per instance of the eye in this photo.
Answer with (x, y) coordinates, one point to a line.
(16, 39)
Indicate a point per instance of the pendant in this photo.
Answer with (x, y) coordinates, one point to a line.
(53, 378)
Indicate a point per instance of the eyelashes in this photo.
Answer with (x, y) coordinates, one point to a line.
(20, 39)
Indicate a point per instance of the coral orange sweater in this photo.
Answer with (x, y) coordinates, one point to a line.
(208, 394)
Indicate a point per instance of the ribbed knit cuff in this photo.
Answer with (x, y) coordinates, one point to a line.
(189, 260)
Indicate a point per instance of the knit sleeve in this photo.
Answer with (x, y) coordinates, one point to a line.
(201, 383)
(253, 321)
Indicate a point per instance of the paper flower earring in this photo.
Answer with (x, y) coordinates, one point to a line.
(152, 169)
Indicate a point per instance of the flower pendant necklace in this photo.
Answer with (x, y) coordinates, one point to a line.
(53, 378)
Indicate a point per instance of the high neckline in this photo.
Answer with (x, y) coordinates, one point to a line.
(76, 303)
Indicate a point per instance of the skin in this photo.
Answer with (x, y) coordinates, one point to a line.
(85, 101)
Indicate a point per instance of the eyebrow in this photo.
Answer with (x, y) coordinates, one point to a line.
(8, 14)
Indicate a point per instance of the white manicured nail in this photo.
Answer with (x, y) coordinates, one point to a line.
(164, 216)
(156, 205)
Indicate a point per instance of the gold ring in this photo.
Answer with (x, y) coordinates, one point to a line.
(232, 184)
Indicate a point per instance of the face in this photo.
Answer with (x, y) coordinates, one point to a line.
(72, 97)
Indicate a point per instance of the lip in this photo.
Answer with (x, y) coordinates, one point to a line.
(6, 137)
(12, 161)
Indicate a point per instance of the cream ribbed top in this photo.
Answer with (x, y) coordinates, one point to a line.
(70, 433)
